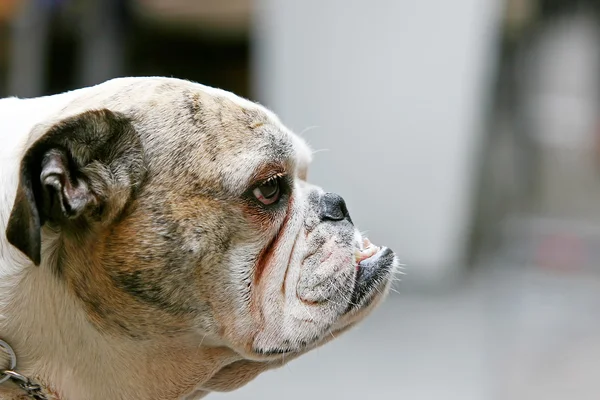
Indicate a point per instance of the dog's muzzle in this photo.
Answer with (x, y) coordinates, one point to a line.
(373, 263)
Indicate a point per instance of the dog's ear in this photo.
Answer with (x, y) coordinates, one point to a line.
(86, 167)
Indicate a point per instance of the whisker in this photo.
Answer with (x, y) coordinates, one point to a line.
(319, 151)
(308, 312)
(394, 290)
(308, 129)
(332, 335)
(346, 297)
(330, 300)
(201, 341)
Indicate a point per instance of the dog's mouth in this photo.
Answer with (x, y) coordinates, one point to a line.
(373, 267)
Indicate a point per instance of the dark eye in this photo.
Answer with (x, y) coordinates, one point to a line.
(269, 191)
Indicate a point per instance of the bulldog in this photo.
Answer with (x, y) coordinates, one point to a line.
(160, 240)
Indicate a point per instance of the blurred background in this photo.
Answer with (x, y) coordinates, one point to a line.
(464, 134)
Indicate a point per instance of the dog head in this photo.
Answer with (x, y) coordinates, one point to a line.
(171, 209)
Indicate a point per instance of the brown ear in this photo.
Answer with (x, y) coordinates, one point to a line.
(88, 166)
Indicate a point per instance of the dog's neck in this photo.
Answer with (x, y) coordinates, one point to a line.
(55, 343)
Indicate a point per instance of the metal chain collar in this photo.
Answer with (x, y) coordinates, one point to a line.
(33, 390)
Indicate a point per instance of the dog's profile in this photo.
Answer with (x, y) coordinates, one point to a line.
(159, 240)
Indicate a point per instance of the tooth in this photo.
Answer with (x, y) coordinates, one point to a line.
(357, 255)
(366, 242)
(360, 255)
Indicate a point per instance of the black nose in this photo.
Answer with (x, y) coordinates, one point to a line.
(333, 208)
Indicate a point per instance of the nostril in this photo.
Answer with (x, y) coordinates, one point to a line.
(333, 207)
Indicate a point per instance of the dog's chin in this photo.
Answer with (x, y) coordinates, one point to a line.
(373, 271)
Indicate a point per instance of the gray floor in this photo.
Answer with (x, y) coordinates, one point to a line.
(510, 333)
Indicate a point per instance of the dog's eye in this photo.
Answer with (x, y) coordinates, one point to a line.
(269, 191)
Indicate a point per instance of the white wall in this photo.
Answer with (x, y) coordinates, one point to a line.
(395, 91)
